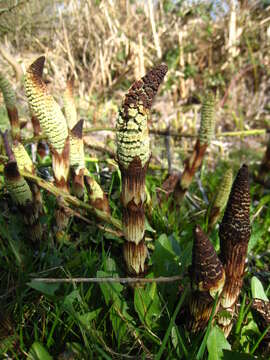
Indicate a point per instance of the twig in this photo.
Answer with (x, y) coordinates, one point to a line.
(175, 134)
(161, 279)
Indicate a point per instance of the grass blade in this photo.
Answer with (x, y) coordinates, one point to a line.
(166, 336)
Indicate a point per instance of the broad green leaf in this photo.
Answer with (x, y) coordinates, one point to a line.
(119, 315)
(86, 318)
(147, 304)
(216, 343)
(257, 289)
(165, 260)
(38, 352)
(46, 289)
(70, 299)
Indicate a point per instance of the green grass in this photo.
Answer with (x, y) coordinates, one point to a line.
(115, 321)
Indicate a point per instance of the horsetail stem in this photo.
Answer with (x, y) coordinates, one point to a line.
(133, 155)
(178, 185)
(234, 236)
(76, 157)
(220, 199)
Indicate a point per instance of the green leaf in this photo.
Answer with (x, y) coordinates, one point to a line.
(119, 315)
(86, 318)
(147, 304)
(70, 299)
(44, 288)
(216, 342)
(165, 260)
(148, 227)
(256, 235)
(38, 352)
(257, 289)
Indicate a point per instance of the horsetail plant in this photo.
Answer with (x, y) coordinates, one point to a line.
(79, 174)
(133, 155)
(205, 136)
(220, 200)
(21, 193)
(53, 124)
(207, 279)
(76, 157)
(178, 184)
(51, 119)
(234, 234)
(261, 312)
(10, 102)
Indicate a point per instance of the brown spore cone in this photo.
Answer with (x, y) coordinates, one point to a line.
(143, 91)
(207, 271)
(235, 227)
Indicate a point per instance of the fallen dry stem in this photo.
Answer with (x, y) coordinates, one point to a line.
(243, 133)
(72, 200)
(128, 280)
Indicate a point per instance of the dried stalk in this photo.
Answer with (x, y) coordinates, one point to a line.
(207, 279)
(133, 155)
(12, 61)
(154, 29)
(234, 236)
